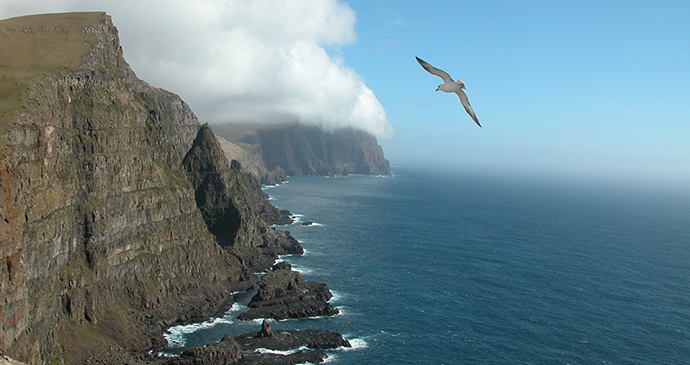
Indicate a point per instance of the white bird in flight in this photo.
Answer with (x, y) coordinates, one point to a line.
(450, 86)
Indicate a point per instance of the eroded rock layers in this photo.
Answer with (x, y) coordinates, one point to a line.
(101, 240)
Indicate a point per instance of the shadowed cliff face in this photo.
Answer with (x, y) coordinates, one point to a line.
(101, 241)
(209, 173)
(231, 201)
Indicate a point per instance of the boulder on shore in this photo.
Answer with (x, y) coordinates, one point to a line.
(265, 330)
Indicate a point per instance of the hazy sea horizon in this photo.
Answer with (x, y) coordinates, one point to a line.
(458, 268)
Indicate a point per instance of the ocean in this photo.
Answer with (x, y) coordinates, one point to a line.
(458, 268)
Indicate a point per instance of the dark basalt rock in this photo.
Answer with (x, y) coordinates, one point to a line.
(224, 352)
(265, 330)
(289, 347)
(307, 223)
(256, 348)
(292, 340)
(300, 357)
(284, 294)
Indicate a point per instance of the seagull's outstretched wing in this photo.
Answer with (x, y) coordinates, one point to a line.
(466, 103)
(434, 71)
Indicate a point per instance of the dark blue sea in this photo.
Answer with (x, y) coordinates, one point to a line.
(460, 268)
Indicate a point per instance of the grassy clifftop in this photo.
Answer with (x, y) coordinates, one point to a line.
(32, 47)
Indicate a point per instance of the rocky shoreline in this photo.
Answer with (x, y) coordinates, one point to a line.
(264, 347)
(120, 214)
(281, 294)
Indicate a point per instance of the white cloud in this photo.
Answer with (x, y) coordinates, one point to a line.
(241, 60)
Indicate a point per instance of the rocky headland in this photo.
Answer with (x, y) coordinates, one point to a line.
(121, 215)
(276, 151)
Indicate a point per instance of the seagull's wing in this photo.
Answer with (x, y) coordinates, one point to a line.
(434, 71)
(466, 103)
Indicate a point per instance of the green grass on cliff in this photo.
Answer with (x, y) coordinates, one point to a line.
(36, 46)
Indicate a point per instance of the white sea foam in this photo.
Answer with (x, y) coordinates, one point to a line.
(337, 296)
(355, 344)
(263, 187)
(296, 218)
(302, 270)
(236, 307)
(329, 359)
(307, 318)
(282, 353)
(176, 336)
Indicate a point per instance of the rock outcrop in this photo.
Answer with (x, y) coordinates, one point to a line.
(232, 202)
(265, 330)
(282, 348)
(224, 352)
(288, 347)
(283, 294)
(294, 149)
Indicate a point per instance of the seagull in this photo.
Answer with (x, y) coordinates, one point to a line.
(450, 86)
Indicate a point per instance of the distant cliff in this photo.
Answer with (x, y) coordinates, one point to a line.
(105, 236)
(303, 150)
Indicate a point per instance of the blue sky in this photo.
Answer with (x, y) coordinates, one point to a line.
(577, 89)
(582, 90)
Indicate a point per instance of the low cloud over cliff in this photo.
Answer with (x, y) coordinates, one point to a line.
(241, 60)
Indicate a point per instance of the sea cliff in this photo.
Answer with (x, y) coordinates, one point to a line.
(101, 240)
(120, 214)
(272, 152)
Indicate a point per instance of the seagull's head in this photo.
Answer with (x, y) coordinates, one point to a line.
(438, 88)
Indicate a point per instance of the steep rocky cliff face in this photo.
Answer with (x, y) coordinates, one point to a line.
(231, 203)
(304, 150)
(101, 241)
